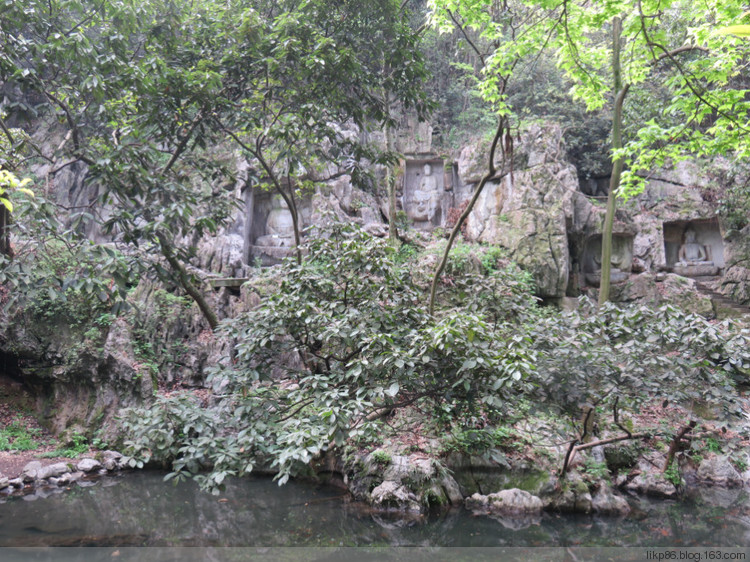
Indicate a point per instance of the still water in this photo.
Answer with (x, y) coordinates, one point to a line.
(140, 509)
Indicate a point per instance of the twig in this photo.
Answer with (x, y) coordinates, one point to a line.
(676, 443)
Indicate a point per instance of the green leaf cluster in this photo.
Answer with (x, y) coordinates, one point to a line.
(345, 340)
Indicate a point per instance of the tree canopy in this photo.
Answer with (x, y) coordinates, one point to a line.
(610, 49)
(147, 93)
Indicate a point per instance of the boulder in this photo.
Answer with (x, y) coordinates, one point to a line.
(606, 502)
(653, 485)
(53, 470)
(399, 482)
(391, 495)
(4, 482)
(30, 471)
(65, 479)
(88, 465)
(505, 502)
(718, 471)
(573, 496)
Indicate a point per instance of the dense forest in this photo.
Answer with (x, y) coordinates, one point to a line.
(280, 236)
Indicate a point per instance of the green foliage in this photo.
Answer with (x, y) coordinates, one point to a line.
(151, 94)
(672, 475)
(491, 258)
(57, 274)
(407, 254)
(681, 74)
(625, 357)
(594, 470)
(75, 446)
(381, 457)
(348, 334)
(10, 184)
(17, 437)
(733, 197)
(156, 326)
(365, 344)
(403, 221)
(474, 441)
(712, 445)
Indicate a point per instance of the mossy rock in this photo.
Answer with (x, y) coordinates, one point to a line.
(620, 457)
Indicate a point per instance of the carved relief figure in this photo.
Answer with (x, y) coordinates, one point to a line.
(694, 259)
(620, 261)
(279, 226)
(693, 253)
(425, 199)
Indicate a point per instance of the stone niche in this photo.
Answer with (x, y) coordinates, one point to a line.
(595, 187)
(424, 192)
(621, 260)
(269, 235)
(694, 248)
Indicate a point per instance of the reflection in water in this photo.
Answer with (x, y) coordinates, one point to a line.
(139, 509)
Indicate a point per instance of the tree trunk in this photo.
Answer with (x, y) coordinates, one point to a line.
(617, 164)
(491, 171)
(167, 249)
(292, 204)
(4, 232)
(390, 180)
(288, 199)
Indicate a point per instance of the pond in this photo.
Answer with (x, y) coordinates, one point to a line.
(140, 509)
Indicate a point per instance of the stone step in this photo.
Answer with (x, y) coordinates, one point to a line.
(227, 282)
(724, 307)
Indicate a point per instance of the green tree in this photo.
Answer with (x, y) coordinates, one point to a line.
(303, 79)
(367, 346)
(673, 42)
(148, 93)
(123, 81)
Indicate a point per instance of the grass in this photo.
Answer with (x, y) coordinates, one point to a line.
(77, 445)
(16, 437)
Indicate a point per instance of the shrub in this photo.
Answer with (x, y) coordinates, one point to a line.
(365, 345)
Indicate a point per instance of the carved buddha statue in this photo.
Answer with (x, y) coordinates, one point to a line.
(620, 262)
(694, 259)
(279, 226)
(425, 199)
(692, 253)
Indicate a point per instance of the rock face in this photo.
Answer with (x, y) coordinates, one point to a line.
(528, 212)
(541, 215)
(736, 280)
(538, 212)
(77, 384)
(648, 288)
